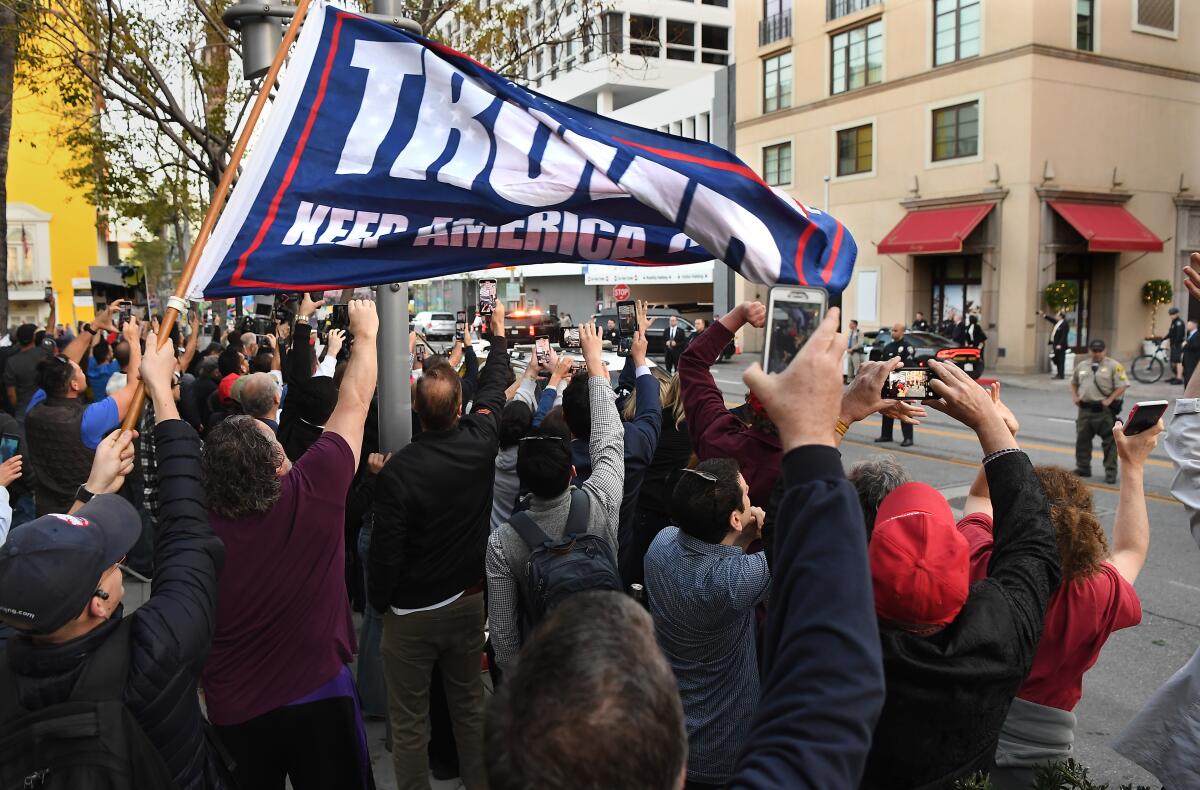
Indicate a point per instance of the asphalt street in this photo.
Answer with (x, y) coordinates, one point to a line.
(1134, 661)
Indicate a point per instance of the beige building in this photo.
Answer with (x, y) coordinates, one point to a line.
(980, 149)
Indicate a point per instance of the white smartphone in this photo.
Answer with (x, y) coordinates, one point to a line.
(793, 314)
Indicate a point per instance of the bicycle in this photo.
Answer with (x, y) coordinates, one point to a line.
(1149, 368)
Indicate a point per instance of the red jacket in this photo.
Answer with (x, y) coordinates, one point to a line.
(715, 433)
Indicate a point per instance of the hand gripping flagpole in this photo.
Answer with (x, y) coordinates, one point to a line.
(178, 303)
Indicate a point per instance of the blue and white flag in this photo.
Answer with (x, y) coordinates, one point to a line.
(387, 157)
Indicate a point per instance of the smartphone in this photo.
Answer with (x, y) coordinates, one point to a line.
(460, 325)
(541, 347)
(793, 314)
(340, 317)
(419, 353)
(626, 326)
(125, 314)
(487, 296)
(8, 446)
(49, 294)
(909, 384)
(571, 338)
(262, 342)
(1144, 416)
(577, 367)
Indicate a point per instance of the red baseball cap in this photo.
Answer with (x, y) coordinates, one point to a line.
(225, 388)
(920, 562)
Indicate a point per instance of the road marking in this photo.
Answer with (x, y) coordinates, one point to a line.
(737, 383)
(1060, 419)
(1185, 586)
(963, 436)
(895, 450)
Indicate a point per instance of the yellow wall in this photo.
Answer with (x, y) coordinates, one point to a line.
(35, 167)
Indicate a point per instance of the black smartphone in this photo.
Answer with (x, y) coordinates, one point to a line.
(419, 353)
(909, 384)
(571, 338)
(460, 325)
(8, 446)
(792, 316)
(578, 366)
(626, 326)
(262, 342)
(339, 318)
(541, 347)
(49, 294)
(487, 297)
(1144, 416)
(125, 314)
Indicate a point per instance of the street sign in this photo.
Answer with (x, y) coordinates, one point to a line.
(621, 292)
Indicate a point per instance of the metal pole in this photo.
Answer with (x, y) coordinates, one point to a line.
(395, 368)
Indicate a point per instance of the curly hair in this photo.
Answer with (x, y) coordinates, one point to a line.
(239, 464)
(1082, 546)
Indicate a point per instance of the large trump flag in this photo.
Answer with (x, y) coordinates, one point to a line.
(387, 157)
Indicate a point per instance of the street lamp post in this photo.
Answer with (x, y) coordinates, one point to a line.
(261, 27)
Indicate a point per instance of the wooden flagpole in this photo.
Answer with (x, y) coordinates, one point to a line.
(218, 201)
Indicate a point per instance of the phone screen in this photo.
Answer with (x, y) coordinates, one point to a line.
(626, 319)
(340, 318)
(460, 325)
(909, 384)
(126, 313)
(1143, 416)
(487, 296)
(8, 447)
(571, 338)
(419, 353)
(541, 347)
(794, 315)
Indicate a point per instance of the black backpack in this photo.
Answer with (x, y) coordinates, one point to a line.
(89, 742)
(556, 570)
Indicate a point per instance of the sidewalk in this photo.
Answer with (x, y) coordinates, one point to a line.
(1044, 381)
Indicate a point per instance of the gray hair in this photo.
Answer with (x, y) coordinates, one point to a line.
(874, 479)
(258, 395)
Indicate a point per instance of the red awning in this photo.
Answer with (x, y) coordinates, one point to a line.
(934, 230)
(1108, 227)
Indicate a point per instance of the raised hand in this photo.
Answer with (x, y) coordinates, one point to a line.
(364, 319)
(10, 470)
(591, 343)
(112, 462)
(864, 398)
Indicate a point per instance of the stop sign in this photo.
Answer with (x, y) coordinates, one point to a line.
(621, 292)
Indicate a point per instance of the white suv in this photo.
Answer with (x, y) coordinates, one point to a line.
(434, 325)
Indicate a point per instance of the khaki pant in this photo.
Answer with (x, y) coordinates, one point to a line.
(1088, 425)
(451, 636)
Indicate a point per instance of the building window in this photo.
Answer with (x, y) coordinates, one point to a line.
(613, 33)
(715, 41)
(776, 22)
(722, 3)
(956, 30)
(840, 8)
(1156, 16)
(857, 58)
(1085, 25)
(956, 131)
(777, 164)
(855, 150)
(777, 82)
(702, 123)
(20, 253)
(681, 40)
(643, 35)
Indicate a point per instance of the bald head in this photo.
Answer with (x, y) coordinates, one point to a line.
(897, 331)
(260, 395)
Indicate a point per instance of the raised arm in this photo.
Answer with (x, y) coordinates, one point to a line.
(123, 397)
(358, 382)
(78, 348)
(189, 347)
(714, 432)
(492, 379)
(606, 445)
(1131, 530)
(822, 673)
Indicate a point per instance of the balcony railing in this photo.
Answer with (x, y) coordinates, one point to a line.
(774, 28)
(840, 8)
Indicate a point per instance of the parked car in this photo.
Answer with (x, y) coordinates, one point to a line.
(525, 323)
(656, 336)
(928, 346)
(434, 325)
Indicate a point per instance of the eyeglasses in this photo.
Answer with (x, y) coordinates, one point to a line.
(709, 476)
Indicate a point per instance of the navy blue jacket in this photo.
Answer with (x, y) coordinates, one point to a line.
(641, 439)
(172, 631)
(822, 672)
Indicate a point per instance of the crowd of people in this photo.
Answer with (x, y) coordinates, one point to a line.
(570, 578)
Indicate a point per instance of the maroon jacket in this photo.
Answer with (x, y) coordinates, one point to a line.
(715, 433)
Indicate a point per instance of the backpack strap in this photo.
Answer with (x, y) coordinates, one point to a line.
(579, 514)
(527, 530)
(104, 675)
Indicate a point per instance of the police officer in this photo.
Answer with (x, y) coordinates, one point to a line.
(899, 347)
(919, 324)
(1096, 385)
(1058, 339)
(1175, 337)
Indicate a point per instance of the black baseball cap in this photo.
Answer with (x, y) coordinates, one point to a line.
(1173, 311)
(49, 568)
(1097, 345)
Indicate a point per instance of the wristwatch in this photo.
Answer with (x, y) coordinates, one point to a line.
(1187, 406)
(83, 495)
(88, 328)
